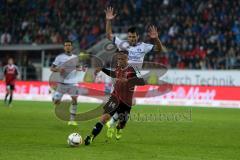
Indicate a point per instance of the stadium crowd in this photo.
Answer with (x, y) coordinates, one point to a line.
(198, 34)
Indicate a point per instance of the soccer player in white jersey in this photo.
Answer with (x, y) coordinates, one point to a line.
(136, 50)
(67, 65)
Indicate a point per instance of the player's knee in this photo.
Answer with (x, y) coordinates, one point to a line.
(105, 118)
(74, 102)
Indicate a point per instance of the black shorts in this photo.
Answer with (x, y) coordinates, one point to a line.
(115, 105)
(10, 87)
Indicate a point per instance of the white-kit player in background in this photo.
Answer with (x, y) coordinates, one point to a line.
(67, 66)
(136, 50)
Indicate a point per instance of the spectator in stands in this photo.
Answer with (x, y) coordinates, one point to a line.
(5, 38)
(185, 26)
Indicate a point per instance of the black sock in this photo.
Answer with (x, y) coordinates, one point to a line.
(10, 99)
(97, 129)
(6, 97)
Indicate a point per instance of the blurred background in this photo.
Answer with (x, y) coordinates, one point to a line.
(202, 35)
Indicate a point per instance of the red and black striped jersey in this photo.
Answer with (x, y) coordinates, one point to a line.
(126, 80)
(10, 73)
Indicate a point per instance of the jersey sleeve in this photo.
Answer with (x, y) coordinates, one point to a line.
(109, 72)
(56, 62)
(4, 70)
(132, 73)
(120, 44)
(117, 41)
(133, 79)
(147, 47)
(17, 71)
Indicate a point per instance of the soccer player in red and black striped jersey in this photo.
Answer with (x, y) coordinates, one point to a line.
(120, 100)
(136, 50)
(11, 73)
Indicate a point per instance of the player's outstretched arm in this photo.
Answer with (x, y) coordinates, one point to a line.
(153, 34)
(134, 80)
(109, 72)
(109, 16)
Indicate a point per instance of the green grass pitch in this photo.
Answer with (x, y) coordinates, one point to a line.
(30, 130)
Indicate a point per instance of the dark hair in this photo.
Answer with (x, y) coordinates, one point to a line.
(68, 41)
(122, 52)
(132, 30)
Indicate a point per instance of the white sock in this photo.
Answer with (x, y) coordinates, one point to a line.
(73, 112)
(113, 120)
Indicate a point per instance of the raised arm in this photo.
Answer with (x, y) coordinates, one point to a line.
(153, 34)
(109, 17)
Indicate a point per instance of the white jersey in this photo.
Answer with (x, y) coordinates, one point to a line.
(135, 53)
(69, 64)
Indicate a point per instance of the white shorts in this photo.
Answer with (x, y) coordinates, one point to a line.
(70, 89)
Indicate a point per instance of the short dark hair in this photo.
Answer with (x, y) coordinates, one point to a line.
(132, 30)
(122, 52)
(68, 41)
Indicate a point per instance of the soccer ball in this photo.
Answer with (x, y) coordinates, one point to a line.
(74, 140)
